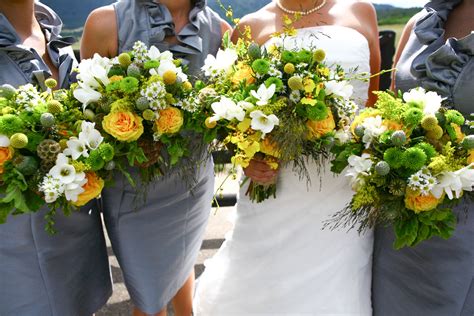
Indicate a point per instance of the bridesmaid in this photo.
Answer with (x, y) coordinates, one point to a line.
(157, 242)
(40, 274)
(435, 278)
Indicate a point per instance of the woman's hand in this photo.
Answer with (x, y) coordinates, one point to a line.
(260, 172)
(152, 151)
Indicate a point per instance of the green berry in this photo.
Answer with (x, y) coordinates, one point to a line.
(148, 115)
(142, 103)
(295, 83)
(47, 119)
(254, 51)
(429, 122)
(124, 59)
(382, 168)
(54, 106)
(110, 165)
(7, 91)
(134, 71)
(359, 131)
(398, 138)
(468, 142)
(51, 83)
(18, 140)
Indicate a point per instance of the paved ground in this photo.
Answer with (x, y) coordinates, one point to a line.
(120, 305)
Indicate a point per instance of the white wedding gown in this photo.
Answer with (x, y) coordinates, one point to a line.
(278, 260)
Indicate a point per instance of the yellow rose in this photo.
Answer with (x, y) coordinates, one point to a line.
(169, 121)
(268, 147)
(92, 189)
(392, 125)
(318, 129)
(123, 125)
(6, 153)
(420, 203)
(244, 72)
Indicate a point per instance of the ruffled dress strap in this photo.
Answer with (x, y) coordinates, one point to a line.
(27, 60)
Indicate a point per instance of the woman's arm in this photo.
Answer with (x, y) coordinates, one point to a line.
(401, 46)
(368, 17)
(100, 34)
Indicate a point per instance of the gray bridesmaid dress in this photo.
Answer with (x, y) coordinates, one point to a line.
(66, 274)
(157, 241)
(435, 278)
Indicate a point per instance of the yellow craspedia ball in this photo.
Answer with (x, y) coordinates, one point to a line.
(7, 110)
(319, 55)
(51, 83)
(18, 140)
(124, 59)
(289, 68)
(210, 124)
(54, 107)
(169, 77)
(295, 83)
(435, 133)
(187, 85)
(429, 122)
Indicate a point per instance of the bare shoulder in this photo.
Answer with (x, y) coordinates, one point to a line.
(100, 33)
(359, 15)
(257, 22)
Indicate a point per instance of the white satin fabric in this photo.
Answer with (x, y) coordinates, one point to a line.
(278, 260)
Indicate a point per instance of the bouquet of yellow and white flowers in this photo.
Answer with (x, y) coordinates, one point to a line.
(141, 96)
(410, 163)
(49, 153)
(282, 105)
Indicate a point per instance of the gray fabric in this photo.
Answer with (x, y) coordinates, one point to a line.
(157, 241)
(64, 274)
(435, 278)
(150, 22)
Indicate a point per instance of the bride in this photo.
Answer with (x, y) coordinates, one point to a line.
(278, 260)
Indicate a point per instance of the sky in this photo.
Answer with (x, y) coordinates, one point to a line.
(402, 3)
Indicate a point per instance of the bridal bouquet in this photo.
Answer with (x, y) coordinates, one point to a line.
(276, 104)
(142, 97)
(49, 153)
(409, 163)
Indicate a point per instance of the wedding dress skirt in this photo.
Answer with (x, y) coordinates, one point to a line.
(278, 260)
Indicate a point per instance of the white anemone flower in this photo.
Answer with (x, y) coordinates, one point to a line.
(373, 128)
(430, 101)
(341, 89)
(63, 171)
(264, 94)
(262, 122)
(154, 53)
(227, 109)
(76, 148)
(90, 136)
(4, 141)
(73, 189)
(221, 63)
(245, 105)
(454, 183)
(86, 95)
(358, 166)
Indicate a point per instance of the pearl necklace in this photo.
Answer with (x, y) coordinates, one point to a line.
(307, 12)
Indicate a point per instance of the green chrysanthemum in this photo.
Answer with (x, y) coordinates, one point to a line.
(276, 81)
(317, 112)
(95, 160)
(393, 156)
(129, 84)
(414, 158)
(106, 151)
(150, 64)
(305, 56)
(10, 124)
(289, 57)
(453, 116)
(261, 66)
(413, 116)
(113, 86)
(428, 149)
